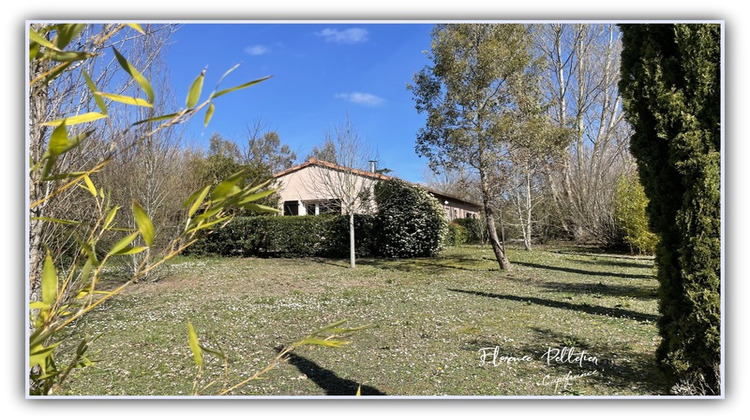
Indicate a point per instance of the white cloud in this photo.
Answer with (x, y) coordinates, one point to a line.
(257, 50)
(347, 36)
(360, 98)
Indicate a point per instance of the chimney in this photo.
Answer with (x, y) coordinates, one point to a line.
(373, 165)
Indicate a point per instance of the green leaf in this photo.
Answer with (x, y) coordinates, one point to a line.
(209, 224)
(38, 355)
(66, 33)
(255, 197)
(33, 51)
(225, 187)
(259, 208)
(110, 217)
(78, 119)
(209, 114)
(123, 243)
(126, 99)
(145, 226)
(159, 118)
(66, 56)
(89, 185)
(58, 141)
(59, 221)
(136, 75)
(137, 27)
(92, 87)
(49, 281)
(132, 250)
(198, 200)
(242, 86)
(195, 90)
(39, 305)
(39, 39)
(324, 343)
(195, 346)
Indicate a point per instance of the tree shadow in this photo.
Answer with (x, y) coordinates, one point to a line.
(586, 308)
(617, 366)
(425, 265)
(636, 292)
(584, 272)
(328, 380)
(646, 265)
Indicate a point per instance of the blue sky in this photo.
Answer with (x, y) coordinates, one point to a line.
(320, 72)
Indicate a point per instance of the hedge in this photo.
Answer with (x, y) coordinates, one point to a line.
(299, 236)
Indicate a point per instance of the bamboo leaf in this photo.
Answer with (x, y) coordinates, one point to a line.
(195, 346)
(123, 243)
(58, 141)
(38, 355)
(209, 224)
(209, 114)
(145, 226)
(198, 200)
(49, 281)
(136, 75)
(225, 187)
(159, 118)
(255, 197)
(195, 90)
(242, 86)
(77, 119)
(92, 87)
(259, 208)
(66, 33)
(33, 51)
(39, 305)
(110, 217)
(58, 221)
(132, 250)
(126, 99)
(57, 71)
(324, 343)
(89, 185)
(66, 56)
(359, 391)
(137, 27)
(39, 39)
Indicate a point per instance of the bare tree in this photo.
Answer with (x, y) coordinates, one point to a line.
(344, 182)
(582, 63)
(51, 96)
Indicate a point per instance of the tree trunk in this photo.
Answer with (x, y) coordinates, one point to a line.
(37, 112)
(497, 247)
(352, 247)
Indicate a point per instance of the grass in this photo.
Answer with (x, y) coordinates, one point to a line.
(429, 321)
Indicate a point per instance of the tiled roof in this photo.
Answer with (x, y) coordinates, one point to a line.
(316, 162)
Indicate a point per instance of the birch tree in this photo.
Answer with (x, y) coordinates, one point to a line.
(582, 64)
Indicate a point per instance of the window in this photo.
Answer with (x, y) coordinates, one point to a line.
(291, 208)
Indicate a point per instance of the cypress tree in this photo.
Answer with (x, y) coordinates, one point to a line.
(671, 88)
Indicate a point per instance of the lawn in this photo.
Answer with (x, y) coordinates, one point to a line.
(564, 321)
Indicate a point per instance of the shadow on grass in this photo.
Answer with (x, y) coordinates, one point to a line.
(584, 272)
(645, 264)
(617, 367)
(427, 265)
(636, 292)
(328, 380)
(589, 309)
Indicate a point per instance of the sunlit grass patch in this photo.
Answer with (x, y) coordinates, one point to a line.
(430, 320)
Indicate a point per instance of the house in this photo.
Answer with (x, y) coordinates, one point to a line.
(312, 188)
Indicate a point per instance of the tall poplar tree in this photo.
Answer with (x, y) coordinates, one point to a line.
(469, 94)
(671, 86)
